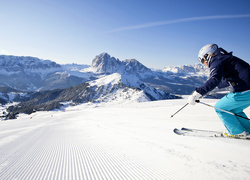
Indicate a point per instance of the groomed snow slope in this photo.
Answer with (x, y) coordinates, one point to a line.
(129, 141)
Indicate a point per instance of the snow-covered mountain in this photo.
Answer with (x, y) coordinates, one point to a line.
(120, 88)
(110, 79)
(187, 70)
(177, 80)
(74, 67)
(28, 65)
(32, 74)
(114, 88)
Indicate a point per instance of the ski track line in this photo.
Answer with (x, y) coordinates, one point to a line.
(64, 156)
(39, 163)
(12, 135)
(15, 153)
(56, 156)
(74, 150)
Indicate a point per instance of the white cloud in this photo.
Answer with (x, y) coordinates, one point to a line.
(161, 23)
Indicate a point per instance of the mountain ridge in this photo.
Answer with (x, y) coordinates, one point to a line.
(33, 74)
(107, 80)
(109, 89)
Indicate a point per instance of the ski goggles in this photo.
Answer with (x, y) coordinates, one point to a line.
(202, 60)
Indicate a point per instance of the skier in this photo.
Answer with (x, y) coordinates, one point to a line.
(226, 70)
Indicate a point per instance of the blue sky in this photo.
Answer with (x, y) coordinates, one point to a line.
(158, 33)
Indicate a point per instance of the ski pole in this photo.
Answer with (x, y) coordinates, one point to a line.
(179, 110)
(198, 101)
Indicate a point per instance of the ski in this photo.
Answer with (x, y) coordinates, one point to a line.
(197, 132)
(203, 133)
(201, 130)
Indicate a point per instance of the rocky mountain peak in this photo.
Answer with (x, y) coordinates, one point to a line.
(104, 63)
(132, 66)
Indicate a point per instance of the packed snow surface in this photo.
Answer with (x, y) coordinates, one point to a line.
(129, 141)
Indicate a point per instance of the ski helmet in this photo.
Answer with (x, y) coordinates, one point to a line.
(206, 52)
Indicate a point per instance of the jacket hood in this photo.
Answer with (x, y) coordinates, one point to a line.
(220, 54)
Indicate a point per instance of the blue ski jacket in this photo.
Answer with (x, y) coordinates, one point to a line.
(226, 70)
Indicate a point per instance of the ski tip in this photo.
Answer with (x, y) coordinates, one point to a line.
(186, 129)
(175, 130)
(178, 131)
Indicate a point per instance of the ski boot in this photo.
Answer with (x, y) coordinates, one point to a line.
(244, 134)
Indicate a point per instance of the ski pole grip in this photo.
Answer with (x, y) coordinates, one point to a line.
(197, 100)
